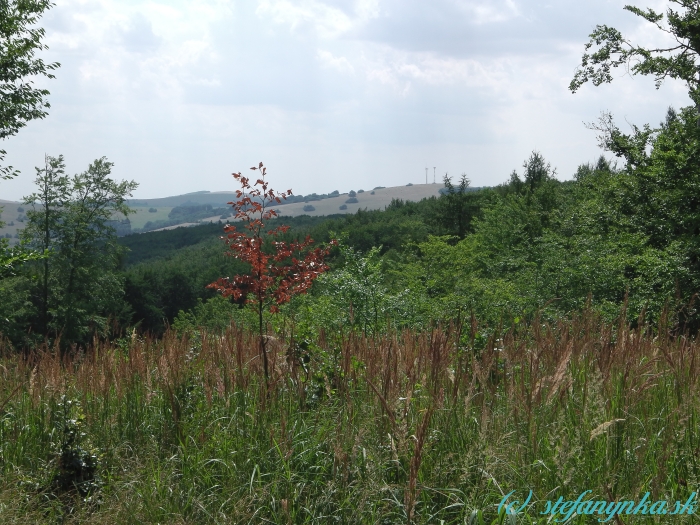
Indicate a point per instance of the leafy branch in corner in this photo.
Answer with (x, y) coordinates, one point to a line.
(20, 101)
(608, 49)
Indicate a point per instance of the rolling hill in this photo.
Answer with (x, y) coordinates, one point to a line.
(313, 205)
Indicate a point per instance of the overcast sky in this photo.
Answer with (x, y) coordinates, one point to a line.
(329, 94)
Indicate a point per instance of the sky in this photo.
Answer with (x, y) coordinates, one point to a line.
(328, 94)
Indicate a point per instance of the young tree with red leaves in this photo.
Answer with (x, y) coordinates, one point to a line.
(276, 274)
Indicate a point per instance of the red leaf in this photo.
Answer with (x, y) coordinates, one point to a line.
(270, 281)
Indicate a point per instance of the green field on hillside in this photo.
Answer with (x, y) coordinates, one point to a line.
(142, 215)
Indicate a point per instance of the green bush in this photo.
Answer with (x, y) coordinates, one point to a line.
(214, 315)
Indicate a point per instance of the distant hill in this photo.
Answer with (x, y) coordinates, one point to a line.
(212, 198)
(313, 204)
(151, 213)
(12, 214)
(375, 199)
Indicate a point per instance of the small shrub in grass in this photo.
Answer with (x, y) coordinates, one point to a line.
(214, 316)
(309, 207)
(322, 370)
(73, 470)
(76, 461)
(343, 207)
(352, 200)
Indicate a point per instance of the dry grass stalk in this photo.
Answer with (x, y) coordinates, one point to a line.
(411, 491)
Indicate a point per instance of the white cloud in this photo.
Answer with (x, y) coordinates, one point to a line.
(367, 9)
(327, 21)
(488, 12)
(340, 64)
(394, 67)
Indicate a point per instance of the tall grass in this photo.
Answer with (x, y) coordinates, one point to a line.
(403, 428)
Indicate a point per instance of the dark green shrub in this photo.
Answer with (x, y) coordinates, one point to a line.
(76, 463)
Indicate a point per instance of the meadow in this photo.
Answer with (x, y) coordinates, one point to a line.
(431, 426)
(141, 215)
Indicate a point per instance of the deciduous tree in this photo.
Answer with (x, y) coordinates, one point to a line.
(70, 220)
(278, 269)
(657, 191)
(20, 102)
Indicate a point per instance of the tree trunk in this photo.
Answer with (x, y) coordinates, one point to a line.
(263, 345)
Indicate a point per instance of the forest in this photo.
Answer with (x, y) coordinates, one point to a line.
(417, 364)
(530, 247)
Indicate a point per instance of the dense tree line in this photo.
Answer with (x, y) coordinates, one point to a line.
(533, 245)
